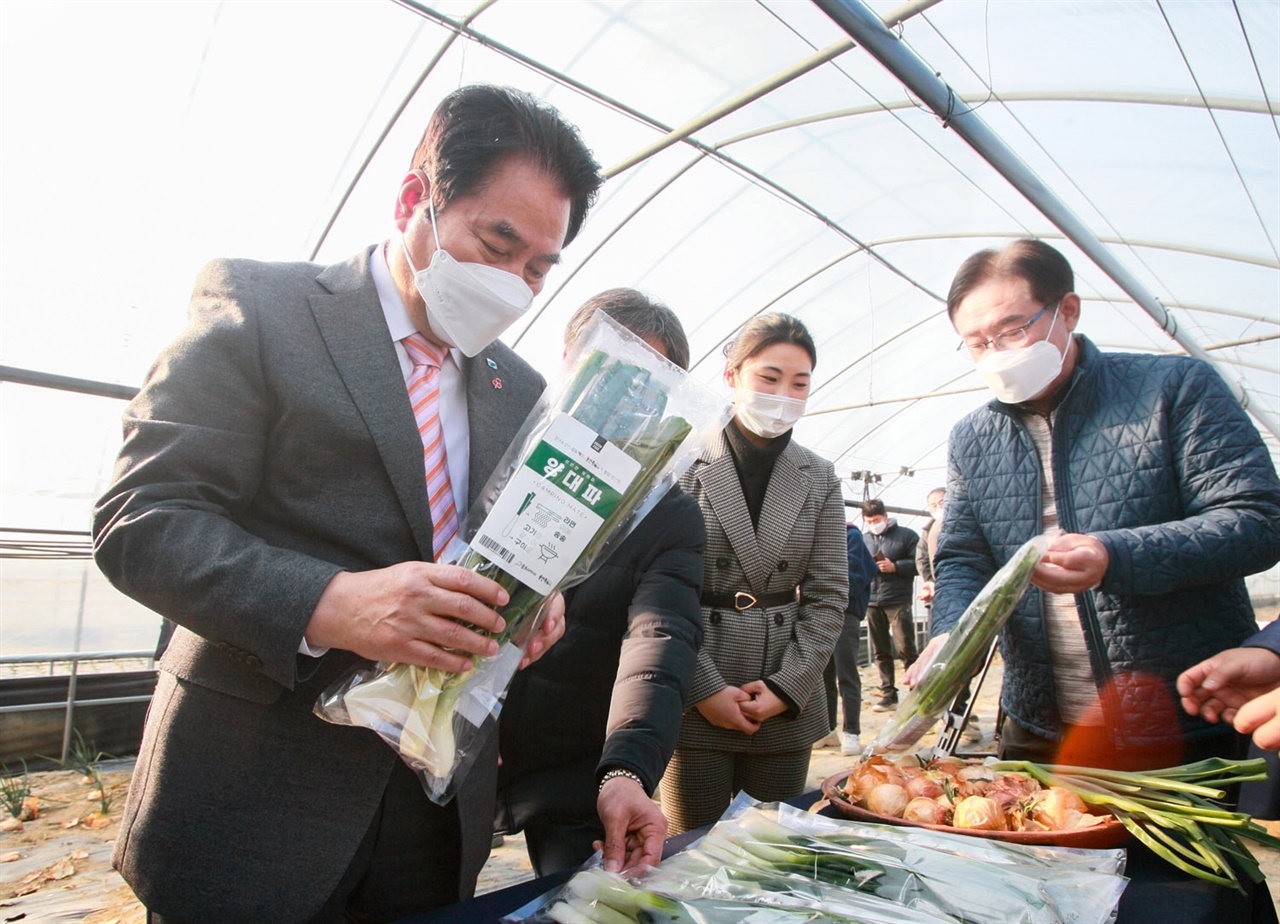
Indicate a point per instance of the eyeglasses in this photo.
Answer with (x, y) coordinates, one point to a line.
(1013, 338)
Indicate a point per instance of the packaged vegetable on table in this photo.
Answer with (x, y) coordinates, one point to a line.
(785, 863)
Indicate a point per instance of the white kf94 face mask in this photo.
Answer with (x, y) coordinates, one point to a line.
(1020, 375)
(768, 415)
(469, 305)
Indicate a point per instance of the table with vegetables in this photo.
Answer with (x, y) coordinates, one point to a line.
(909, 836)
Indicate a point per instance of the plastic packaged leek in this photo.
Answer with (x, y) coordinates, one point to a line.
(595, 454)
(771, 862)
(961, 655)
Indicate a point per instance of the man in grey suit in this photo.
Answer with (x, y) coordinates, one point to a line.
(270, 500)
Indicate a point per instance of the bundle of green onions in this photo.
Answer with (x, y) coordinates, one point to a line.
(940, 875)
(776, 859)
(594, 896)
(1172, 811)
(962, 653)
(618, 396)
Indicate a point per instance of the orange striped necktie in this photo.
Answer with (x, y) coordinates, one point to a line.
(424, 395)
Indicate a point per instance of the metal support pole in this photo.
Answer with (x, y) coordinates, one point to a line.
(69, 723)
(867, 30)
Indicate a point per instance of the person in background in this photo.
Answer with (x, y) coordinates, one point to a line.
(292, 469)
(1159, 497)
(1240, 686)
(890, 621)
(841, 676)
(775, 587)
(935, 501)
(586, 732)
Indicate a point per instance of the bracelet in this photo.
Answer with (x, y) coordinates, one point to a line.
(617, 772)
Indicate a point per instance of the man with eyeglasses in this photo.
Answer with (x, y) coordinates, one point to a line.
(1159, 496)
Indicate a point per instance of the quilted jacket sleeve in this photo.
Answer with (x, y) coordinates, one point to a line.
(963, 562)
(1269, 637)
(1229, 494)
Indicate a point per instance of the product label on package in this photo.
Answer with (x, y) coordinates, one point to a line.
(554, 504)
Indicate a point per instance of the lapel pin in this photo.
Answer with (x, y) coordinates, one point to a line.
(492, 364)
(497, 383)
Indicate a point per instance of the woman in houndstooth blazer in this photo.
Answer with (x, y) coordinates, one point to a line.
(775, 585)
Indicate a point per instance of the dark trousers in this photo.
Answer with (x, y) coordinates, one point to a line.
(409, 860)
(700, 783)
(1262, 800)
(841, 676)
(881, 622)
(556, 810)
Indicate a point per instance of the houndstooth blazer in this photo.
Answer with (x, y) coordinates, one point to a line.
(800, 541)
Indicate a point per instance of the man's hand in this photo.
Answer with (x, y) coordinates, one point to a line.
(1261, 716)
(764, 703)
(926, 592)
(1218, 686)
(550, 632)
(724, 710)
(634, 826)
(411, 613)
(886, 566)
(1072, 564)
(911, 676)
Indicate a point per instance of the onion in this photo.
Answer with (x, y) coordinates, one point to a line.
(980, 814)
(925, 811)
(949, 766)
(922, 786)
(868, 775)
(887, 799)
(1053, 807)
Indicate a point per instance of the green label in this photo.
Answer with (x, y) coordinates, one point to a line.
(557, 468)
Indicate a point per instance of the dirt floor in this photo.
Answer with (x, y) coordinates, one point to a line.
(57, 867)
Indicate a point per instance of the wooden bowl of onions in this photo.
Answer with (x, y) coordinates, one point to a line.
(967, 797)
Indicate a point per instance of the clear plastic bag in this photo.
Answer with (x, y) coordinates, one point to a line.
(774, 862)
(593, 457)
(961, 655)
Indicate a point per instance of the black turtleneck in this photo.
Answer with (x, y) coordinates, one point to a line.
(754, 464)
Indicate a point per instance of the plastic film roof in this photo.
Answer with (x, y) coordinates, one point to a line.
(759, 159)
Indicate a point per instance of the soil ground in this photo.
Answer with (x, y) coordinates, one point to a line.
(58, 867)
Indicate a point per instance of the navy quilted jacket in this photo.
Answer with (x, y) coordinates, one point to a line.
(1153, 456)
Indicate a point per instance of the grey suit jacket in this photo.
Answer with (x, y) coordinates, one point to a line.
(800, 540)
(272, 446)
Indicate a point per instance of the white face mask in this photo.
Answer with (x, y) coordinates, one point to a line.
(469, 305)
(767, 415)
(877, 529)
(1022, 374)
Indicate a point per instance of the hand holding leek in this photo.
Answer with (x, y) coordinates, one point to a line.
(592, 458)
(962, 653)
